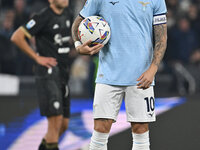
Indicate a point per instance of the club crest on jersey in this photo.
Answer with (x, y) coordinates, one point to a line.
(89, 26)
(30, 24)
(56, 26)
(68, 23)
(144, 5)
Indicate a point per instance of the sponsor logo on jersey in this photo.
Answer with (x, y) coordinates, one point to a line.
(56, 26)
(113, 3)
(144, 4)
(30, 24)
(60, 40)
(63, 50)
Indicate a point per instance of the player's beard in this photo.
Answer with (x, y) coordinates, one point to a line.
(60, 4)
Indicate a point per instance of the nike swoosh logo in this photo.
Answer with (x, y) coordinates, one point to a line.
(114, 2)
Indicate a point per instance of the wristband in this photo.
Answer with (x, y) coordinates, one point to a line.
(77, 43)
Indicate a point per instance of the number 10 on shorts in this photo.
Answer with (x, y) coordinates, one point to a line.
(150, 103)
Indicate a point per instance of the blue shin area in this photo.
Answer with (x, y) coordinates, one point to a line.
(11, 131)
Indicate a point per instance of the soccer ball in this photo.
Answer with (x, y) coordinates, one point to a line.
(94, 28)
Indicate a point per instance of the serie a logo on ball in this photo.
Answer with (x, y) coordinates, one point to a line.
(94, 28)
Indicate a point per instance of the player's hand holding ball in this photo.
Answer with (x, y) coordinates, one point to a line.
(94, 33)
(85, 48)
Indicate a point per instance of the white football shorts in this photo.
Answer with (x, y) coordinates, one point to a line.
(140, 104)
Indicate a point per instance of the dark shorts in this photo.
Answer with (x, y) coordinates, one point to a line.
(53, 92)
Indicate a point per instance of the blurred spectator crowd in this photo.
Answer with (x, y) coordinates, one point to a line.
(181, 62)
(14, 13)
(182, 59)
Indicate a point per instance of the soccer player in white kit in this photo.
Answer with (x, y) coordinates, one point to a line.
(127, 65)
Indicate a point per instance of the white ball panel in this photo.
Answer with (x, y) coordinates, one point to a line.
(94, 28)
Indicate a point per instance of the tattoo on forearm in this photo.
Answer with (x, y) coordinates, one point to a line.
(75, 25)
(160, 35)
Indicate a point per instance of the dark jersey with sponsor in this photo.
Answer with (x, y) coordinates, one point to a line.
(52, 33)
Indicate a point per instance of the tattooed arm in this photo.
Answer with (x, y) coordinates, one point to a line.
(83, 48)
(75, 25)
(160, 35)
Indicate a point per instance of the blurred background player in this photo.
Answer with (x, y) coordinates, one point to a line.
(51, 28)
(127, 65)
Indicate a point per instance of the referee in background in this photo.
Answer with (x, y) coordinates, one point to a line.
(51, 29)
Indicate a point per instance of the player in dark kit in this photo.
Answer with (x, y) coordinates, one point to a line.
(51, 28)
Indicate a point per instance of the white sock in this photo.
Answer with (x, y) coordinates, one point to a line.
(99, 141)
(141, 141)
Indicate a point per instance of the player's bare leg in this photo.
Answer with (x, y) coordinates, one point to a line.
(140, 132)
(49, 138)
(64, 126)
(100, 134)
(50, 141)
(54, 126)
